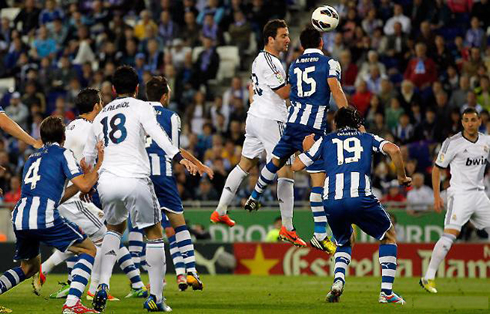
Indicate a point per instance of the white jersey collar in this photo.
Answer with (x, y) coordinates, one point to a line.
(313, 50)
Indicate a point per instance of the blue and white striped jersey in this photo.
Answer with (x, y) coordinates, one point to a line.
(347, 155)
(310, 92)
(43, 182)
(160, 163)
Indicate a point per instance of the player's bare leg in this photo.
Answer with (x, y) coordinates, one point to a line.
(233, 181)
(440, 251)
(186, 247)
(320, 239)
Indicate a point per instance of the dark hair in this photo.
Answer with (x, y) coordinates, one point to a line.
(156, 87)
(347, 117)
(310, 38)
(470, 111)
(270, 29)
(52, 130)
(86, 100)
(125, 80)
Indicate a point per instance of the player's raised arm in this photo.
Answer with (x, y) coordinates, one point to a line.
(396, 156)
(12, 128)
(308, 158)
(333, 81)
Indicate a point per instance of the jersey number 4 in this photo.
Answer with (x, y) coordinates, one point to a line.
(115, 124)
(302, 77)
(32, 175)
(350, 145)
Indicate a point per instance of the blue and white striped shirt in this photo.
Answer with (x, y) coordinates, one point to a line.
(310, 92)
(160, 163)
(347, 155)
(43, 183)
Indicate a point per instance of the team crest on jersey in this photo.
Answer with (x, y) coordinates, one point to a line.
(486, 148)
(441, 157)
(454, 217)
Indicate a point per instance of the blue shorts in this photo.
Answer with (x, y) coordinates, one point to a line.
(167, 193)
(366, 212)
(61, 236)
(292, 141)
(165, 221)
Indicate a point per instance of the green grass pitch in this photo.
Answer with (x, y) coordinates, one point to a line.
(276, 294)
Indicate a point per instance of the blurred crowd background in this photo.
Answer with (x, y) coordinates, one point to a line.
(410, 67)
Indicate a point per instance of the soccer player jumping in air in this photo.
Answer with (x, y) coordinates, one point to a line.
(348, 198)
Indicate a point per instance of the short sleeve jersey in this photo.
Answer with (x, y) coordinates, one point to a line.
(267, 76)
(467, 161)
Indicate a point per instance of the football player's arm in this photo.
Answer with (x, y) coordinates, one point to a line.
(396, 156)
(442, 162)
(152, 128)
(283, 91)
(89, 151)
(307, 158)
(250, 92)
(337, 92)
(12, 128)
(85, 182)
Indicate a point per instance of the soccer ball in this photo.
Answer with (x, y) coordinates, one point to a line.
(325, 18)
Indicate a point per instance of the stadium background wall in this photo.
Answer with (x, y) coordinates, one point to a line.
(463, 261)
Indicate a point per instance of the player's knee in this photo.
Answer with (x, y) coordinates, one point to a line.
(154, 232)
(390, 237)
(91, 249)
(169, 232)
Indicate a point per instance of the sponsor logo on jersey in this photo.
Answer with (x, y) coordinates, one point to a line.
(476, 161)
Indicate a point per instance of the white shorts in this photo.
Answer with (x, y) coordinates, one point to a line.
(87, 216)
(122, 196)
(467, 205)
(261, 134)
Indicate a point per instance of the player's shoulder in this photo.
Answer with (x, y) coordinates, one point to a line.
(267, 60)
(78, 123)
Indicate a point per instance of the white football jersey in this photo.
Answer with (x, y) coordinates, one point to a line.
(123, 125)
(466, 159)
(268, 75)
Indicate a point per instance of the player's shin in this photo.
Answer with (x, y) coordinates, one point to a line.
(176, 256)
(96, 269)
(54, 260)
(285, 196)
(136, 243)
(127, 266)
(80, 276)
(266, 177)
(319, 215)
(387, 260)
(342, 260)
(155, 258)
(11, 278)
(186, 248)
(233, 181)
(441, 248)
(109, 249)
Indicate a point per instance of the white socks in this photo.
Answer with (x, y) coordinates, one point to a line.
(54, 260)
(109, 249)
(232, 183)
(285, 196)
(440, 250)
(155, 259)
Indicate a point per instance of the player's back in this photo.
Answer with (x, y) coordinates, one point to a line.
(267, 76)
(43, 183)
(76, 136)
(160, 163)
(119, 126)
(310, 92)
(348, 155)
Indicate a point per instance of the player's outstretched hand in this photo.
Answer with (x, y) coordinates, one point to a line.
(405, 181)
(189, 166)
(438, 204)
(308, 142)
(85, 168)
(206, 170)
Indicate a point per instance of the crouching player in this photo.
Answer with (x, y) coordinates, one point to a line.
(348, 198)
(35, 218)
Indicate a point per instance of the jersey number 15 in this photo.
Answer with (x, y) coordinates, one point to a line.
(302, 77)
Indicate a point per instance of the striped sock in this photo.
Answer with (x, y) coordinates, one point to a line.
(342, 261)
(11, 278)
(266, 177)
(186, 247)
(126, 263)
(319, 215)
(387, 259)
(176, 256)
(81, 274)
(135, 238)
(156, 267)
(70, 263)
